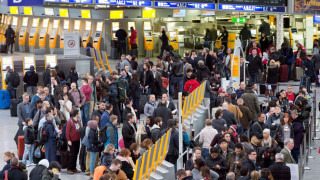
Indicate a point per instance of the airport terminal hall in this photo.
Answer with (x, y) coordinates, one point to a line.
(159, 89)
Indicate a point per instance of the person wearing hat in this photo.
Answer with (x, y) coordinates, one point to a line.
(272, 75)
(219, 99)
(31, 80)
(233, 130)
(36, 172)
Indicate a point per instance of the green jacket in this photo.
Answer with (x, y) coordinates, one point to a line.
(287, 156)
(214, 34)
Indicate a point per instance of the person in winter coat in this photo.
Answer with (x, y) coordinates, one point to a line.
(192, 84)
(78, 97)
(279, 170)
(29, 140)
(207, 38)
(236, 158)
(163, 112)
(141, 134)
(264, 42)
(31, 80)
(134, 94)
(6, 158)
(202, 71)
(255, 63)
(156, 129)
(217, 163)
(36, 172)
(316, 65)
(129, 130)
(52, 173)
(50, 145)
(246, 115)
(245, 35)
(16, 172)
(133, 40)
(274, 122)
(272, 75)
(251, 101)
(250, 161)
(108, 155)
(308, 67)
(9, 35)
(46, 76)
(298, 134)
(146, 79)
(73, 138)
(172, 155)
(128, 109)
(127, 164)
(164, 42)
(151, 105)
(95, 144)
(264, 27)
(218, 123)
(73, 75)
(112, 132)
(224, 37)
(196, 155)
(86, 89)
(206, 136)
(259, 126)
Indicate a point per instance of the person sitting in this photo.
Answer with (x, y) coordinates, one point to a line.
(6, 157)
(52, 173)
(36, 172)
(16, 172)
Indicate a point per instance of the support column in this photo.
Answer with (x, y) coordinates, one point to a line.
(279, 30)
(309, 32)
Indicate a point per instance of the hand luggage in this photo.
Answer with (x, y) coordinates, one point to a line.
(306, 81)
(299, 73)
(13, 106)
(3, 48)
(20, 147)
(4, 99)
(262, 89)
(283, 73)
(143, 102)
(65, 156)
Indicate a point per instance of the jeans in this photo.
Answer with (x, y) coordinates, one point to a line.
(226, 73)
(295, 152)
(85, 113)
(92, 161)
(28, 150)
(205, 153)
(253, 77)
(122, 47)
(173, 82)
(31, 90)
(12, 93)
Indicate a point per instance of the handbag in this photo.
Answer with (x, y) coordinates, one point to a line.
(85, 141)
(37, 152)
(62, 144)
(255, 141)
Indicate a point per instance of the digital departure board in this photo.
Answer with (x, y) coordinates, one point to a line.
(252, 8)
(188, 5)
(255, 2)
(125, 3)
(71, 1)
(195, 1)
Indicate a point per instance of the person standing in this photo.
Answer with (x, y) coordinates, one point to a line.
(176, 75)
(29, 140)
(286, 151)
(73, 138)
(165, 42)
(50, 146)
(214, 33)
(121, 34)
(11, 83)
(31, 80)
(254, 65)
(129, 130)
(224, 37)
(23, 111)
(245, 35)
(9, 35)
(46, 76)
(264, 27)
(95, 144)
(133, 41)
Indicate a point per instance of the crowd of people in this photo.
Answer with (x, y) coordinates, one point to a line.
(64, 122)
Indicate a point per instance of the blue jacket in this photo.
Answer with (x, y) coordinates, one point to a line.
(5, 167)
(51, 132)
(186, 140)
(35, 98)
(104, 120)
(112, 135)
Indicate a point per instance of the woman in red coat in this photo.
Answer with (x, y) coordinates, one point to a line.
(192, 84)
(133, 38)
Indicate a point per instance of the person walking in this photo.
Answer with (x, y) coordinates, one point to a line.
(224, 37)
(121, 34)
(31, 79)
(9, 35)
(95, 144)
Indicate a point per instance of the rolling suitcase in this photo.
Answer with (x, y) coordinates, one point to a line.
(299, 73)
(283, 73)
(13, 107)
(65, 156)
(4, 99)
(20, 147)
(3, 48)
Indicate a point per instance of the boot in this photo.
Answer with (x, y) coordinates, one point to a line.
(91, 175)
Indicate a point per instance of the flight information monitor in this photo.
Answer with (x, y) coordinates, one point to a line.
(255, 2)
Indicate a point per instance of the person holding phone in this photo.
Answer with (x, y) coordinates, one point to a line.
(53, 172)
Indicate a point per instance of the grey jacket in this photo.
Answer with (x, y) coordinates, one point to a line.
(39, 115)
(22, 114)
(126, 63)
(149, 108)
(7, 80)
(218, 124)
(155, 133)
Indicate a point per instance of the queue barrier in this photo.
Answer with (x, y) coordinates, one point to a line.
(153, 158)
(193, 101)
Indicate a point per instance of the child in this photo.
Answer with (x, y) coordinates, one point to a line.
(29, 139)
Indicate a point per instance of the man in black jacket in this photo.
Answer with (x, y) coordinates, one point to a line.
(245, 35)
(176, 75)
(100, 111)
(210, 62)
(279, 170)
(46, 76)
(254, 65)
(216, 162)
(163, 112)
(9, 35)
(31, 80)
(122, 35)
(227, 115)
(259, 126)
(251, 160)
(129, 130)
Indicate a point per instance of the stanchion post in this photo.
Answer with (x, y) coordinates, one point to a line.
(180, 161)
(305, 157)
(315, 115)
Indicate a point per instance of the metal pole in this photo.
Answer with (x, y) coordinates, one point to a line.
(315, 115)
(180, 161)
(300, 164)
(305, 157)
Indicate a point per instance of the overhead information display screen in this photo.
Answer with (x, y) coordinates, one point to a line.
(190, 5)
(255, 2)
(70, 1)
(251, 8)
(125, 3)
(195, 1)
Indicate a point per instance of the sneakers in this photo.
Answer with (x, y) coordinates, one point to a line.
(76, 171)
(27, 165)
(70, 172)
(32, 164)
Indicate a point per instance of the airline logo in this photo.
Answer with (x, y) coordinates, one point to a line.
(24, 2)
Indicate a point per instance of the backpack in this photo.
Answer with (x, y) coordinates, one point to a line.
(103, 134)
(165, 82)
(122, 90)
(14, 79)
(43, 136)
(63, 134)
(99, 171)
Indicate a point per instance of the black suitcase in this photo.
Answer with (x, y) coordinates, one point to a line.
(143, 102)
(3, 48)
(13, 107)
